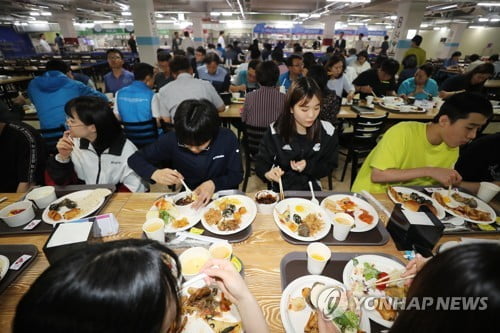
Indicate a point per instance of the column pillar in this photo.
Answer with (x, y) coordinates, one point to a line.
(146, 34)
(329, 30)
(410, 16)
(65, 21)
(453, 41)
(196, 18)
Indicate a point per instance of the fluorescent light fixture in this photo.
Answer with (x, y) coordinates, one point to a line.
(389, 27)
(448, 7)
(423, 25)
(315, 15)
(392, 17)
(476, 26)
(495, 20)
(444, 28)
(103, 22)
(214, 13)
(39, 22)
(227, 14)
(303, 15)
(359, 1)
(436, 28)
(489, 4)
(165, 21)
(355, 23)
(46, 13)
(483, 20)
(126, 14)
(34, 13)
(123, 6)
(158, 15)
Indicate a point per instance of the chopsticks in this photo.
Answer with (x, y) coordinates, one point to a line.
(384, 280)
(374, 95)
(2, 199)
(449, 190)
(282, 194)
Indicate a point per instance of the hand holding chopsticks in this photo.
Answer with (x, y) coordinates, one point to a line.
(387, 279)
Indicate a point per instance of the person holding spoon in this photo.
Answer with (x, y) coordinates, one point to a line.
(298, 147)
(94, 149)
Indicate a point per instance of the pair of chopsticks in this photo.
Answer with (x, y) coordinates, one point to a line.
(385, 280)
(282, 193)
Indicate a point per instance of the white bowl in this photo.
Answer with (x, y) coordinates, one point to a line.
(198, 254)
(42, 196)
(19, 219)
(184, 210)
(264, 208)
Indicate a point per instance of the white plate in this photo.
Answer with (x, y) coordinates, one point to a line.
(383, 264)
(359, 226)
(237, 101)
(310, 208)
(481, 205)
(197, 324)
(406, 190)
(246, 219)
(392, 100)
(75, 196)
(295, 321)
(4, 266)
(192, 218)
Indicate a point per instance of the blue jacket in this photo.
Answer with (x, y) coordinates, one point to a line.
(51, 91)
(221, 163)
(134, 102)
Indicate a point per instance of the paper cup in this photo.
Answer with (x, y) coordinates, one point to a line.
(154, 229)
(318, 255)
(42, 196)
(264, 200)
(192, 260)
(221, 250)
(487, 191)
(369, 100)
(342, 224)
(236, 95)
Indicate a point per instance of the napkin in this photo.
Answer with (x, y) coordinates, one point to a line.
(69, 233)
(417, 218)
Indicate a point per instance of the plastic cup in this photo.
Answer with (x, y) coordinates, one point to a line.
(42, 196)
(236, 95)
(265, 203)
(487, 191)
(318, 255)
(192, 260)
(221, 250)
(154, 229)
(342, 224)
(369, 100)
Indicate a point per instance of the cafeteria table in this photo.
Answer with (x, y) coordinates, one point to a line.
(260, 253)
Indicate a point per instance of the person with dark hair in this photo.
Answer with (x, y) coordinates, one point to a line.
(214, 73)
(338, 82)
(129, 285)
(44, 45)
(297, 49)
(324, 58)
(163, 76)
(385, 46)
(452, 62)
(264, 105)
(417, 50)
(340, 43)
(421, 86)
(246, 80)
(379, 81)
(59, 41)
(231, 55)
(94, 150)
(176, 41)
(309, 60)
(295, 66)
(361, 64)
(472, 81)
(475, 60)
(23, 155)
(221, 40)
(330, 104)
(418, 154)
(298, 147)
(184, 87)
(279, 60)
(133, 103)
(118, 77)
(199, 58)
(254, 55)
(187, 41)
(51, 91)
(409, 64)
(254, 45)
(493, 59)
(266, 51)
(351, 57)
(132, 44)
(360, 45)
(199, 151)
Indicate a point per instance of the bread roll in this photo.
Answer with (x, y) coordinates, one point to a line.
(411, 205)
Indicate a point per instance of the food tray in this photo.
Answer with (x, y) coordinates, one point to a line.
(375, 237)
(61, 191)
(13, 252)
(294, 265)
(396, 109)
(470, 228)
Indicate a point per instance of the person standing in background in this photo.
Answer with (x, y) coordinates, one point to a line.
(176, 42)
(417, 50)
(118, 77)
(221, 39)
(132, 44)
(385, 46)
(359, 45)
(45, 47)
(187, 41)
(59, 41)
(340, 43)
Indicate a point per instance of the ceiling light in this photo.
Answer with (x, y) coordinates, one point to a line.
(39, 22)
(227, 14)
(315, 15)
(123, 6)
(360, 1)
(34, 13)
(46, 13)
(181, 17)
(165, 21)
(103, 22)
(389, 27)
(303, 15)
(158, 15)
(355, 23)
(489, 4)
(495, 20)
(436, 28)
(214, 13)
(476, 26)
(126, 14)
(483, 20)
(423, 25)
(448, 7)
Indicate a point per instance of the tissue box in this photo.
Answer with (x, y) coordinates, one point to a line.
(411, 236)
(66, 239)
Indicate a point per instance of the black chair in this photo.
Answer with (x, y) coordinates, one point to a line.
(251, 140)
(51, 136)
(361, 141)
(141, 133)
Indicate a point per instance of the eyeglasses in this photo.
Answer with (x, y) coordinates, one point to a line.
(70, 122)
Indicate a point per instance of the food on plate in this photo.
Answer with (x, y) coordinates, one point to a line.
(54, 215)
(185, 200)
(312, 323)
(68, 203)
(72, 213)
(226, 214)
(77, 207)
(463, 210)
(412, 201)
(180, 223)
(15, 212)
(208, 304)
(305, 227)
(266, 199)
(471, 202)
(365, 216)
(346, 205)
(296, 304)
(385, 308)
(165, 210)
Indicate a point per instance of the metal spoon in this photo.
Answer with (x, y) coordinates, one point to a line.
(313, 198)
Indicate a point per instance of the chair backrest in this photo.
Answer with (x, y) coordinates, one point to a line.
(141, 133)
(51, 136)
(366, 130)
(252, 136)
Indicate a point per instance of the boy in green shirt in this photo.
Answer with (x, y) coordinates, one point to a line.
(417, 50)
(412, 153)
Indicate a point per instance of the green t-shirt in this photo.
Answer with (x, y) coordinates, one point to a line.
(419, 53)
(404, 146)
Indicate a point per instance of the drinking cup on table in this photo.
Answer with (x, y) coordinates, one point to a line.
(154, 229)
(342, 224)
(221, 250)
(236, 95)
(369, 100)
(318, 255)
(487, 191)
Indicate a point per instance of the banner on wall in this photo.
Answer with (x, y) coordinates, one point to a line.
(14, 44)
(297, 29)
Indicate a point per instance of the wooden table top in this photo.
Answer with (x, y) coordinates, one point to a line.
(234, 111)
(15, 79)
(261, 253)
